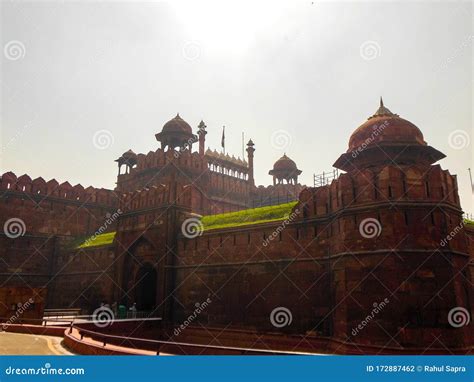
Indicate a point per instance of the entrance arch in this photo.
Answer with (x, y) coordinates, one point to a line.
(145, 289)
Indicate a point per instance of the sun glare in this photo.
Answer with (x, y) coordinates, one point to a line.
(229, 25)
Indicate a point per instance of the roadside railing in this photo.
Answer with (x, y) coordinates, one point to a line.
(179, 347)
(66, 318)
(172, 347)
(62, 312)
(5, 321)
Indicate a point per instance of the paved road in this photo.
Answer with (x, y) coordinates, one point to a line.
(30, 344)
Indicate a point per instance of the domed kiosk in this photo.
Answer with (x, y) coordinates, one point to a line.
(386, 138)
(127, 159)
(285, 169)
(176, 133)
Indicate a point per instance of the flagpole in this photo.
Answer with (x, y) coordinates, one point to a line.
(243, 157)
(223, 140)
(470, 176)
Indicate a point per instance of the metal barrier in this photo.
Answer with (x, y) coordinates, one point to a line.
(146, 344)
(61, 313)
(35, 321)
(156, 345)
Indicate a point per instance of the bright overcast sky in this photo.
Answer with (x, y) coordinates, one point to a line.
(296, 77)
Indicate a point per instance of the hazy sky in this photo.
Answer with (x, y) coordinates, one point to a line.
(296, 77)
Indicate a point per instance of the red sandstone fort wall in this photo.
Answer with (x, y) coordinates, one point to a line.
(21, 303)
(53, 208)
(329, 275)
(222, 192)
(51, 217)
(83, 278)
(26, 260)
(157, 166)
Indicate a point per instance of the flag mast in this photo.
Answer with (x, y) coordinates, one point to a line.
(223, 139)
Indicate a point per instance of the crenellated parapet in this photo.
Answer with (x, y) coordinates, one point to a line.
(160, 158)
(156, 196)
(53, 208)
(145, 198)
(275, 194)
(39, 188)
(164, 163)
(388, 184)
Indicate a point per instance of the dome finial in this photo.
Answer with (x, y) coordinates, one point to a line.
(383, 111)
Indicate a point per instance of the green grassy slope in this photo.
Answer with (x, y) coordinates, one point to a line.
(99, 240)
(248, 217)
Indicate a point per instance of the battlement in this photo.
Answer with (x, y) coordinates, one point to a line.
(52, 188)
(275, 194)
(160, 158)
(154, 196)
(389, 184)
